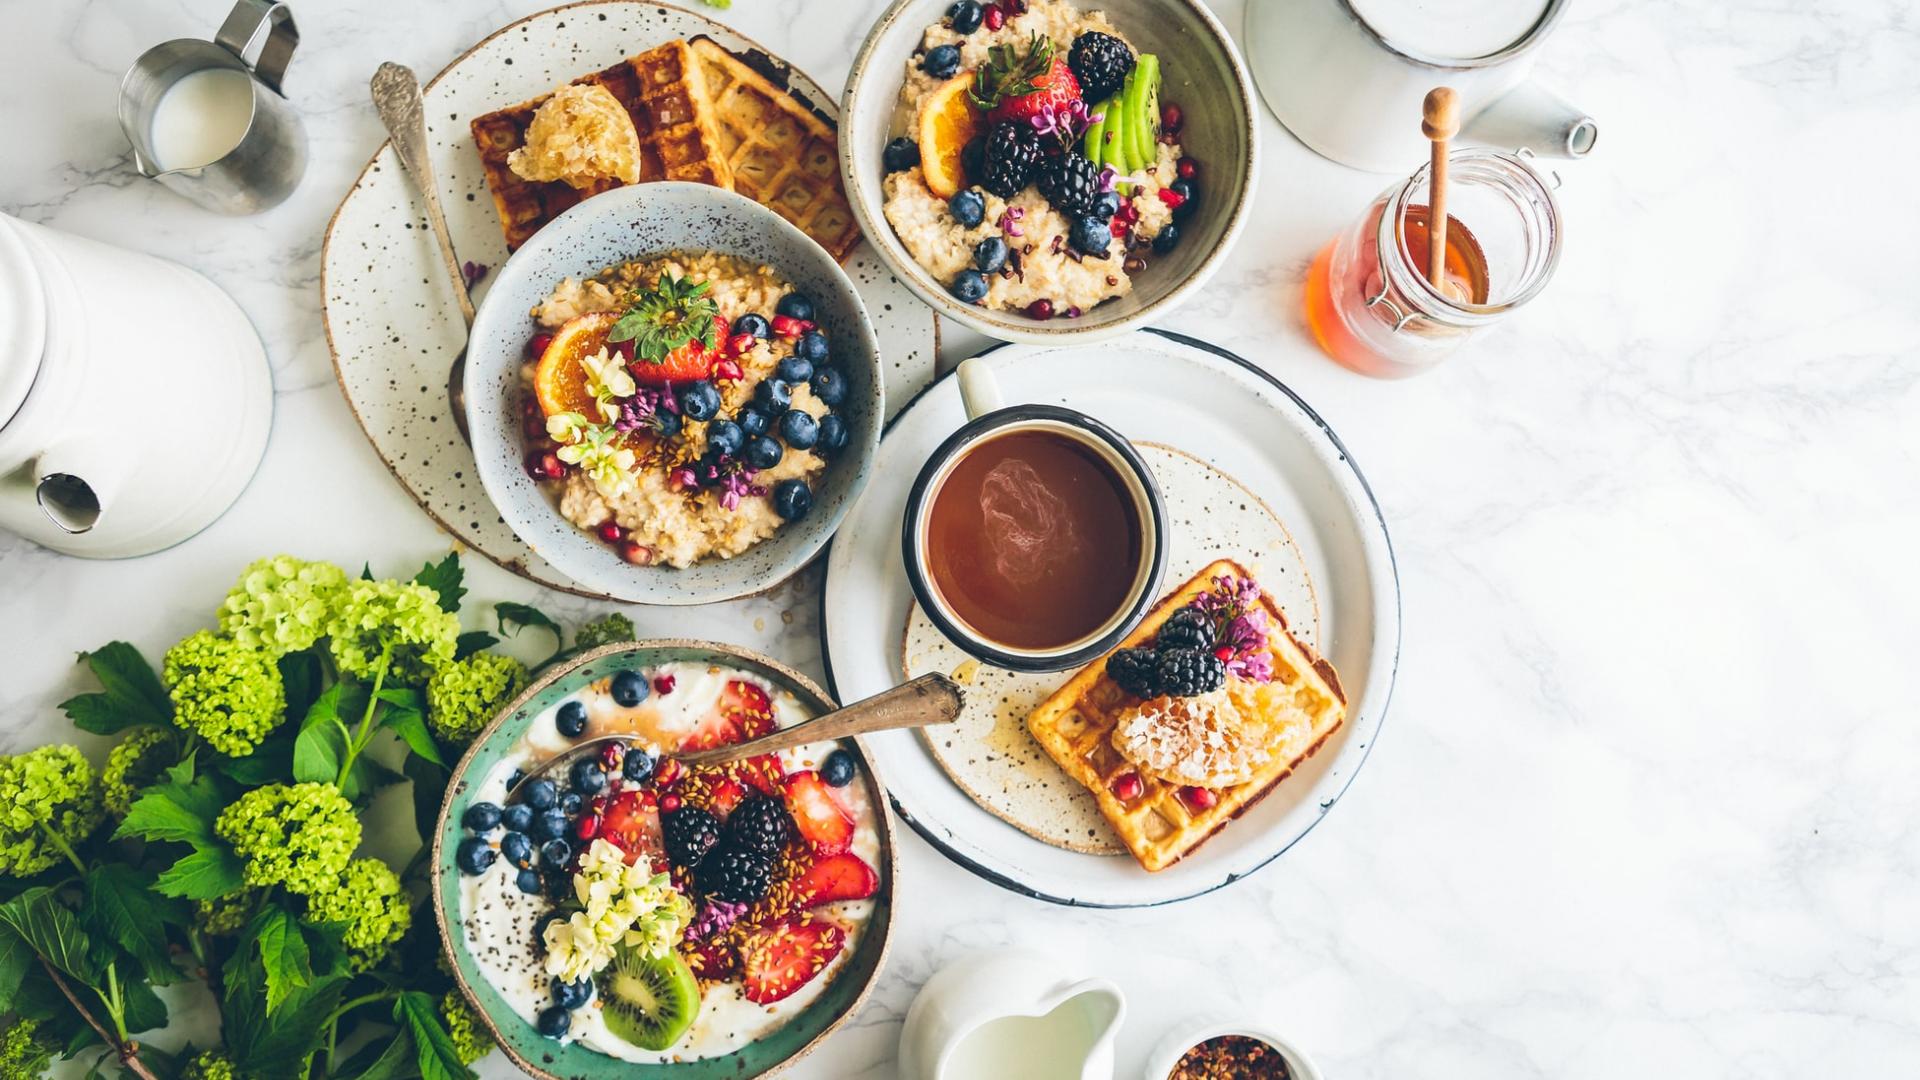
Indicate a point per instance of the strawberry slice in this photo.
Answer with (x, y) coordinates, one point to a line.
(726, 795)
(782, 957)
(688, 363)
(714, 961)
(836, 877)
(765, 773)
(632, 824)
(745, 712)
(817, 814)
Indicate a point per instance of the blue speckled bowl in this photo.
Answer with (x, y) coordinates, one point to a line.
(635, 222)
(543, 1057)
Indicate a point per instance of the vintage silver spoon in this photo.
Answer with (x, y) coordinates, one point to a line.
(396, 94)
(927, 700)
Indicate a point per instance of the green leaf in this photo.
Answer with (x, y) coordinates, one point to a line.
(321, 746)
(444, 578)
(207, 874)
(117, 905)
(50, 930)
(284, 960)
(302, 676)
(174, 811)
(16, 959)
(429, 791)
(132, 695)
(434, 1047)
(391, 1058)
(366, 777)
(142, 1008)
(513, 616)
(471, 642)
(270, 763)
(366, 571)
(410, 724)
(278, 1043)
(181, 772)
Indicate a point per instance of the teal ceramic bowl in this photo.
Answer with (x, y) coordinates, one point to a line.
(544, 1057)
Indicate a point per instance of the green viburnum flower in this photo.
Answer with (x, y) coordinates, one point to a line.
(464, 694)
(137, 761)
(281, 604)
(297, 835)
(210, 1065)
(368, 901)
(224, 915)
(603, 631)
(622, 904)
(25, 1051)
(401, 618)
(227, 692)
(607, 463)
(49, 802)
(470, 1039)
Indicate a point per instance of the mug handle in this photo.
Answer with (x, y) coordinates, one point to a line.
(979, 390)
(243, 25)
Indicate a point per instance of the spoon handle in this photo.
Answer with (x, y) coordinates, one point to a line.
(396, 94)
(929, 699)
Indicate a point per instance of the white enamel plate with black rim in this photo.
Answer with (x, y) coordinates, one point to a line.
(1159, 387)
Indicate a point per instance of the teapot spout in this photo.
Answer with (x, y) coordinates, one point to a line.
(1534, 118)
(74, 486)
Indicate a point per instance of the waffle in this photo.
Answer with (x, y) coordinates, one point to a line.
(779, 152)
(663, 91)
(1075, 727)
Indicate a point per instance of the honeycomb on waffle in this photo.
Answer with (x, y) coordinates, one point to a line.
(662, 90)
(779, 152)
(1159, 826)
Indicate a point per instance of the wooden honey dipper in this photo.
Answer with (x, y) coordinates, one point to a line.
(1439, 122)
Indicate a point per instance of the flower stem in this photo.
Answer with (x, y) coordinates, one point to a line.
(129, 1051)
(361, 734)
(59, 842)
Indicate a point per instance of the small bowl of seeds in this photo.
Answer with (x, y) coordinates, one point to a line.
(1216, 1048)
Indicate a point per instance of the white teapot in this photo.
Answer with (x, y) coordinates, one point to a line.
(135, 396)
(1008, 1015)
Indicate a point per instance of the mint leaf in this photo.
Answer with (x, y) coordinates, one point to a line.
(117, 904)
(132, 693)
(433, 1046)
(444, 578)
(50, 930)
(207, 874)
(471, 642)
(513, 616)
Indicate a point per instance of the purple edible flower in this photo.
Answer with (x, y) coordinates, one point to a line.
(1064, 122)
(1107, 173)
(1246, 635)
(1231, 597)
(683, 478)
(640, 410)
(714, 917)
(474, 272)
(736, 483)
(1010, 218)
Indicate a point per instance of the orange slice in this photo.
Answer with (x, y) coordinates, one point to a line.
(560, 380)
(947, 122)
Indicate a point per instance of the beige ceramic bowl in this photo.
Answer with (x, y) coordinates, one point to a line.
(1201, 72)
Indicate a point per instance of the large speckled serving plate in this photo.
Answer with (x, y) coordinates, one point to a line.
(543, 1057)
(390, 318)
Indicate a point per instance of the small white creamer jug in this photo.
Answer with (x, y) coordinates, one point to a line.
(1009, 1015)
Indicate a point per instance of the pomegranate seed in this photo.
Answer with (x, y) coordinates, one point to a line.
(729, 370)
(535, 429)
(1172, 198)
(1126, 787)
(587, 827)
(663, 684)
(1187, 168)
(1014, 7)
(612, 754)
(787, 326)
(1223, 653)
(1171, 118)
(636, 553)
(996, 18)
(610, 531)
(1198, 797)
(599, 804)
(1117, 227)
(1040, 309)
(537, 344)
(669, 803)
(647, 800)
(545, 465)
(740, 343)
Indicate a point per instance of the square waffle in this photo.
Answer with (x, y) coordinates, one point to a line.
(1075, 727)
(779, 152)
(663, 91)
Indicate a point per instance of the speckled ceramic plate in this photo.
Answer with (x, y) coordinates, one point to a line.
(1159, 387)
(988, 752)
(390, 317)
(543, 1057)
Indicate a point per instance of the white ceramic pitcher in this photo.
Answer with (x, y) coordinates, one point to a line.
(135, 396)
(1008, 1015)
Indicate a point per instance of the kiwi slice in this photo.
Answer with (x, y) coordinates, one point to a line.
(1095, 140)
(650, 1003)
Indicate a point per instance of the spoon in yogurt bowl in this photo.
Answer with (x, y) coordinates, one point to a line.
(922, 702)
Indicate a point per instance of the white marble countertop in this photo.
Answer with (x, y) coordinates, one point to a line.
(1648, 803)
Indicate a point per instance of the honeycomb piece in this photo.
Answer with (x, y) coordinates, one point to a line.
(580, 135)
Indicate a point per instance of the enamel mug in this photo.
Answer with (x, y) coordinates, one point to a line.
(1347, 77)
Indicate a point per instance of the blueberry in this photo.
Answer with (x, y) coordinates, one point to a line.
(516, 848)
(968, 208)
(799, 429)
(571, 719)
(753, 421)
(555, 853)
(559, 884)
(833, 435)
(796, 305)
(588, 777)
(990, 255)
(792, 499)
(763, 452)
(473, 856)
(1106, 204)
(772, 396)
(900, 155)
(553, 1022)
(638, 766)
(667, 423)
(528, 881)
(572, 995)
(795, 369)
(540, 793)
(1165, 240)
(757, 325)
(725, 437)
(812, 347)
(1090, 236)
(571, 802)
(514, 778)
(830, 386)
(837, 770)
(941, 61)
(970, 286)
(549, 825)
(629, 688)
(518, 817)
(481, 816)
(699, 400)
(965, 16)
(1189, 193)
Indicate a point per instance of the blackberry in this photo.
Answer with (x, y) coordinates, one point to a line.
(738, 877)
(1008, 161)
(1101, 62)
(1071, 183)
(1188, 628)
(690, 833)
(1188, 672)
(1133, 669)
(759, 825)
